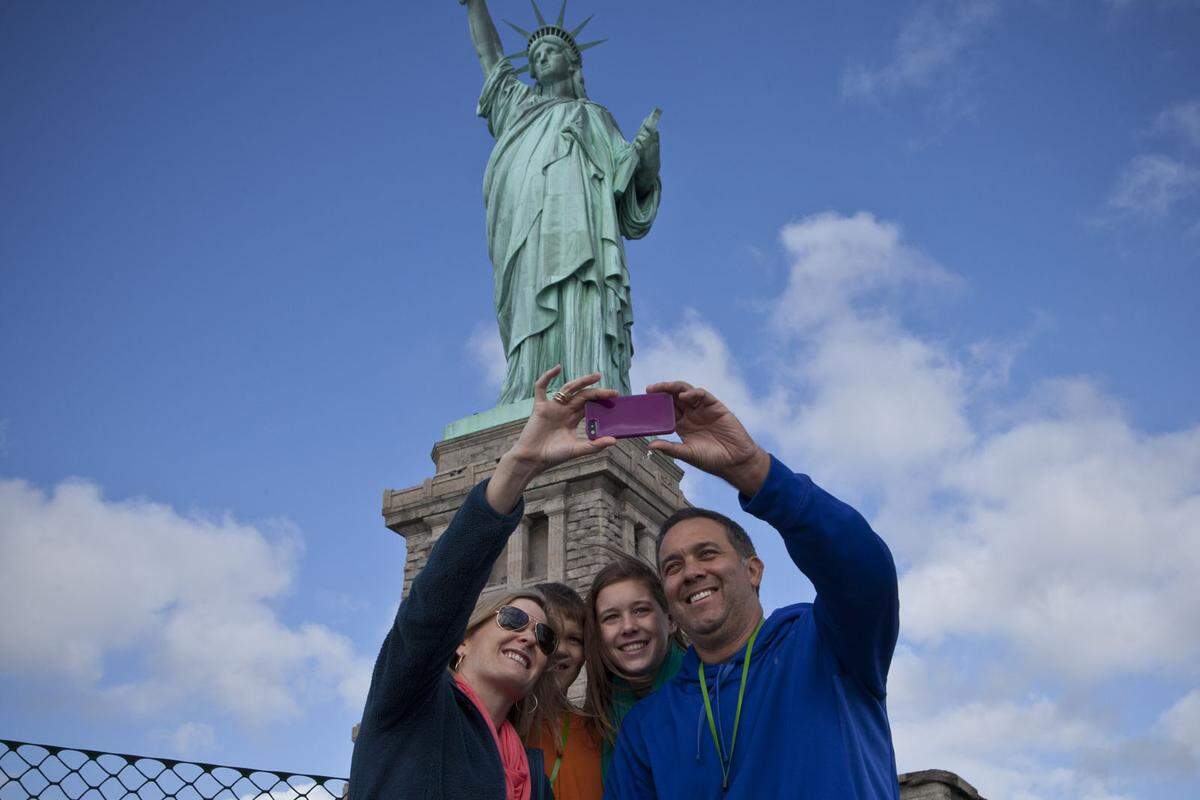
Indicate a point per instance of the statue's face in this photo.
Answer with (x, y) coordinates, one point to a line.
(549, 62)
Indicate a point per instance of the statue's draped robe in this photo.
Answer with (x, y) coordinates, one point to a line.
(560, 195)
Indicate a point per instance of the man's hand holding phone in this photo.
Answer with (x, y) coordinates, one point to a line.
(713, 439)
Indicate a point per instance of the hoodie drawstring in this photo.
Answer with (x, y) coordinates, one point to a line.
(700, 717)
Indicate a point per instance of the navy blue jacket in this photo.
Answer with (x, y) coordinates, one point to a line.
(814, 722)
(420, 736)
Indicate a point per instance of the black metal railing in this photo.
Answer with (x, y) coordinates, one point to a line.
(49, 772)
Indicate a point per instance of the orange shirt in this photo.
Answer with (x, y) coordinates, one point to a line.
(579, 774)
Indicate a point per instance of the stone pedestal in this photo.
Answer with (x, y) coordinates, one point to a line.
(936, 784)
(617, 497)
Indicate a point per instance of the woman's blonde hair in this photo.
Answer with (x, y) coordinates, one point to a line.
(543, 698)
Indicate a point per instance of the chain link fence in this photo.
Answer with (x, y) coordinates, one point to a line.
(48, 772)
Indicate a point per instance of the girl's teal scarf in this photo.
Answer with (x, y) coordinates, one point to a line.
(623, 698)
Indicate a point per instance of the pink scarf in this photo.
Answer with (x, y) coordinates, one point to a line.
(512, 752)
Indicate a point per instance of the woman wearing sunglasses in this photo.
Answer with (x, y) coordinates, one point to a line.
(452, 687)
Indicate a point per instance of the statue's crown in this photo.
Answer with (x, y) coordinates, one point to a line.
(557, 30)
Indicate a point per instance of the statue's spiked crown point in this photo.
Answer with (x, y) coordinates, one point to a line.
(558, 30)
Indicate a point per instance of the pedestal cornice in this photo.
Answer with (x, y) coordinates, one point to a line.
(644, 477)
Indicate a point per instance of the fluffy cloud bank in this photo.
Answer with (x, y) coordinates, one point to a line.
(87, 581)
(1073, 536)
(1049, 532)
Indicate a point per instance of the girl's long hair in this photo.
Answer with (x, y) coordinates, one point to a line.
(600, 670)
(543, 700)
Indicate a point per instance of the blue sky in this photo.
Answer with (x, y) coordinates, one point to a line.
(942, 256)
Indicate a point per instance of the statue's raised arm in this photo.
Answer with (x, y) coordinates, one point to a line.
(484, 35)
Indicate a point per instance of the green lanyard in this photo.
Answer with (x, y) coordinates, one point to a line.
(727, 765)
(566, 729)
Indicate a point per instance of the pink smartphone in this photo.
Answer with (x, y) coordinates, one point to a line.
(633, 415)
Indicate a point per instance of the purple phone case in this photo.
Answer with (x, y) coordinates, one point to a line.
(633, 415)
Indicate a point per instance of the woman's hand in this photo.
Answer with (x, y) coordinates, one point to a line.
(549, 438)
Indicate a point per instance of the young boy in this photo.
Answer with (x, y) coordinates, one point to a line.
(571, 747)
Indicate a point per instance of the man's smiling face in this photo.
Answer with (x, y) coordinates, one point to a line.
(711, 590)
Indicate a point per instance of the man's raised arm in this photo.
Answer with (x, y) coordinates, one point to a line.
(857, 605)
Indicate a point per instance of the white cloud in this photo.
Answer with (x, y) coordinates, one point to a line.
(927, 49)
(1050, 530)
(991, 361)
(1152, 184)
(192, 738)
(1118, 6)
(882, 404)
(485, 349)
(879, 403)
(1040, 528)
(1070, 531)
(839, 263)
(1181, 723)
(97, 579)
(293, 789)
(1005, 748)
(1182, 120)
(695, 352)
(1025, 744)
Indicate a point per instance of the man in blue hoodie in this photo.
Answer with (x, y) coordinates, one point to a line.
(792, 706)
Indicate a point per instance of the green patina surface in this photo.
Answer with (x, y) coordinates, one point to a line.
(488, 419)
(563, 190)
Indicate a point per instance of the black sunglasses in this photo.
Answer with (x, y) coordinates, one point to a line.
(511, 618)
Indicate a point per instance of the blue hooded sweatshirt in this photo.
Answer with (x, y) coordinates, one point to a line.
(814, 720)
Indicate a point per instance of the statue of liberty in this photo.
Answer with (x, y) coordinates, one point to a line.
(562, 189)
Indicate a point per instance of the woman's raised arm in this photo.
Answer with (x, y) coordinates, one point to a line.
(433, 618)
(548, 438)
